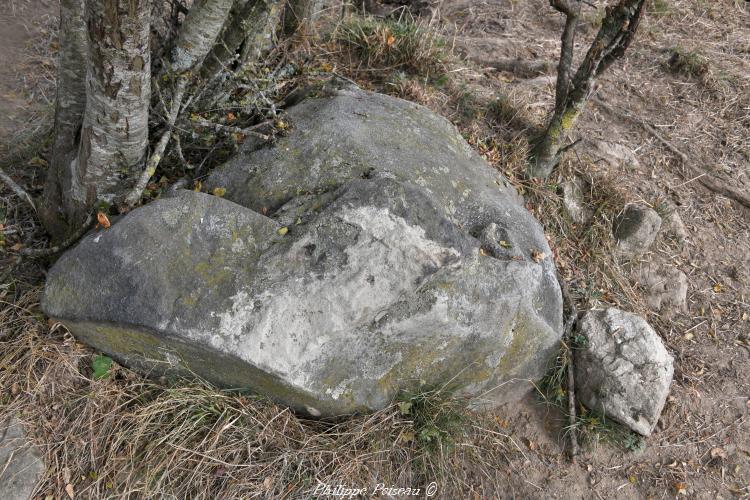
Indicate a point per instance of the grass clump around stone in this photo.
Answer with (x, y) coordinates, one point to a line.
(384, 45)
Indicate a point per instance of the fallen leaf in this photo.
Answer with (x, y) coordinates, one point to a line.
(103, 220)
(197, 185)
(537, 255)
(38, 162)
(282, 231)
(505, 244)
(231, 117)
(17, 247)
(680, 488)
(69, 490)
(390, 40)
(718, 288)
(281, 125)
(718, 453)
(219, 191)
(326, 67)
(482, 252)
(406, 437)
(101, 365)
(689, 336)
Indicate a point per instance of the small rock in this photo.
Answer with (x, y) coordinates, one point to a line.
(21, 465)
(572, 195)
(666, 288)
(613, 153)
(624, 371)
(635, 230)
(674, 227)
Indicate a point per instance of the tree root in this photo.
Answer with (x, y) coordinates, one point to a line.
(712, 183)
(69, 241)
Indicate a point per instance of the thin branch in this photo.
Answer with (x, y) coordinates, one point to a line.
(20, 192)
(572, 13)
(228, 129)
(132, 198)
(45, 252)
(709, 181)
(570, 322)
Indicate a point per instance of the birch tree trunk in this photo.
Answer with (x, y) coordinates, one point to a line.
(104, 90)
(56, 209)
(250, 32)
(101, 117)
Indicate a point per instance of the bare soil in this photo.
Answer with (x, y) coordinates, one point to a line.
(702, 446)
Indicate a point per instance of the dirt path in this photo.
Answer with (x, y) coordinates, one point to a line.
(702, 446)
(24, 70)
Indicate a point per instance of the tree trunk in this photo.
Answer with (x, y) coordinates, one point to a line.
(250, 32)
(618, 29)
(298, 14)
(199, 33)
(104, 63)
(55, 209)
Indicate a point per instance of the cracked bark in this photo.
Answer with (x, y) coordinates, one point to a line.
(617, 32)
(101, 118)
(55, 209)
(249, 33)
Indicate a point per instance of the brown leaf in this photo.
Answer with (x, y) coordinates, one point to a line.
(718, 452)
(103, 220)
(69, 491)
(537, 255)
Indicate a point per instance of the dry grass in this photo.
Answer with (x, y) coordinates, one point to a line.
(125, 435)
(372, 45)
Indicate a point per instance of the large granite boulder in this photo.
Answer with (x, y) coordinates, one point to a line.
(369, 251)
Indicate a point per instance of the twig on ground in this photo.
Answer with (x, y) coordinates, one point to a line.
(709, 181)
(568, 326)
(45, 252)
(20, 192)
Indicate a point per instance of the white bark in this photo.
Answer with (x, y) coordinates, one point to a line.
(118, 89)
(57, 208)
(199, 33)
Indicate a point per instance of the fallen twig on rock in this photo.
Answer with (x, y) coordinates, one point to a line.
(218, 127)
(709, 181)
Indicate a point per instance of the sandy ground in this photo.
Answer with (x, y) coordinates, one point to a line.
(702, 446)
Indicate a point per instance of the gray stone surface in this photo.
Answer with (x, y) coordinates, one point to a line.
(21, 465)
(615, 154)
(623, 371)
(573, 201)
(635, 230)
(665, 288)
(364, 276)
